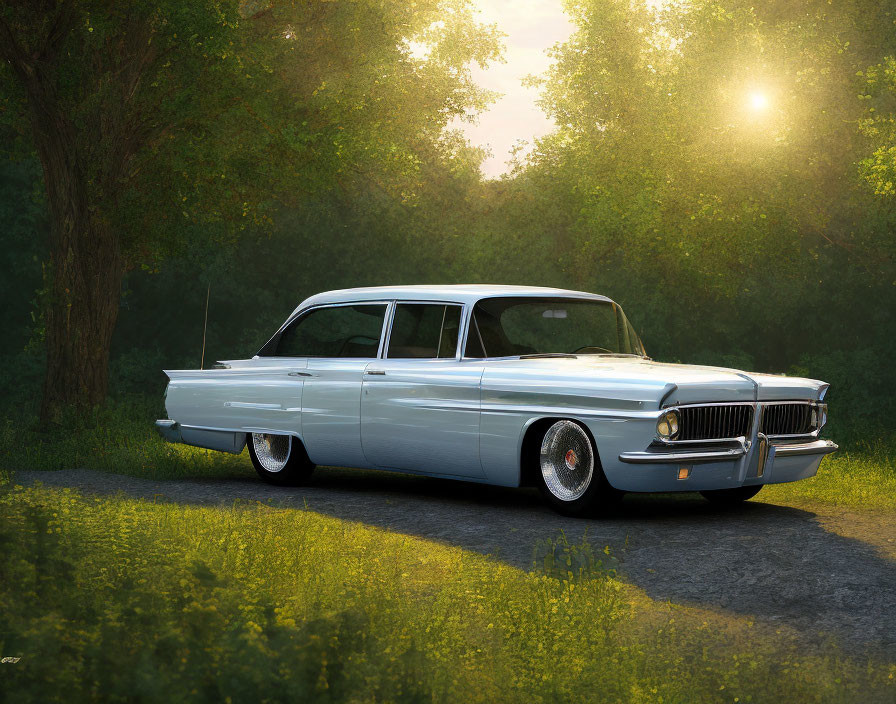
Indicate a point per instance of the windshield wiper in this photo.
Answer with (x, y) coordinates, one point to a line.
(548, 355)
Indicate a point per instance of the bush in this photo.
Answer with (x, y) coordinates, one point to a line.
(860, 400)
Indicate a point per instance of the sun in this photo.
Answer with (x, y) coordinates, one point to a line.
(758, 101)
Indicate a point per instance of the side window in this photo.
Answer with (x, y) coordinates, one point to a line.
(424, 331)
(335, 331)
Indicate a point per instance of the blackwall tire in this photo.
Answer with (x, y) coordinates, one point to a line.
(570, 475)
(279, 459)
(731, 497)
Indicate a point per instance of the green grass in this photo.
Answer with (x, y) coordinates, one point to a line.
(120, 437)
(119, 599)
(861, 478)
(122, 599)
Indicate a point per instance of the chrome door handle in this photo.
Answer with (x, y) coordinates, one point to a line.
(378, 372)
(299, 374)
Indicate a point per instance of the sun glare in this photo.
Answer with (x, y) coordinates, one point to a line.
(758, 101)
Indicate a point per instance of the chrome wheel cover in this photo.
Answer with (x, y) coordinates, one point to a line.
(567, 460)
(272, 451)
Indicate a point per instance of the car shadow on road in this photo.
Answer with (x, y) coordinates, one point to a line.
(777, 563)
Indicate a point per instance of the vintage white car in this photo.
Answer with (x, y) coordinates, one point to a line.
(503, 385)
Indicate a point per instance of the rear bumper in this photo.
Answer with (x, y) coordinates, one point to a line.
(170, 430)
(211, 439)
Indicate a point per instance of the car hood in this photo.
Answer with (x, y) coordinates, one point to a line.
(648, 383)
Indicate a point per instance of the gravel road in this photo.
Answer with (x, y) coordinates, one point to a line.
(822, 572)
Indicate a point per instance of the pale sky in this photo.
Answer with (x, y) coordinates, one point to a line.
(532, 27)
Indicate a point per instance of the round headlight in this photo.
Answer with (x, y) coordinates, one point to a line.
(667, 425)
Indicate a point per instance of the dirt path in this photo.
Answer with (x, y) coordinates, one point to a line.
(821, 573)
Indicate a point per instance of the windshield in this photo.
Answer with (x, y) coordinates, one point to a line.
(507, 327)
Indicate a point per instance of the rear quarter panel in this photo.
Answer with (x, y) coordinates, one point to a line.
(239, 399)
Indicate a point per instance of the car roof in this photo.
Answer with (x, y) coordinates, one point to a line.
(456, 293)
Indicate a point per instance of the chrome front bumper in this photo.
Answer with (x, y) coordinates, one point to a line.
(817, 447)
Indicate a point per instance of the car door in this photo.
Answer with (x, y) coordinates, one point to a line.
(336, 342)
(420, 403)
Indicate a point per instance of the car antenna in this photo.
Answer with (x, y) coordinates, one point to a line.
(205, 326)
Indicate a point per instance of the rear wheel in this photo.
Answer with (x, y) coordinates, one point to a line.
(731, 497)
(279, 459)
(571, 477)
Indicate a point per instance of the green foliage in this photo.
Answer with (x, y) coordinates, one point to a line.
(878, 95)
(725, 231)
(120, 599)
(119, 437)
(558, 558)
(133, 88)
(731, 238)
(192, 119)
(24, 218)
(166, 127)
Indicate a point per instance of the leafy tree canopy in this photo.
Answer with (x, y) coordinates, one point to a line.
(158, 123)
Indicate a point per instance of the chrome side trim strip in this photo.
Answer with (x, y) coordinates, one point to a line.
(565, 411)
(258, 406)
(160, 424)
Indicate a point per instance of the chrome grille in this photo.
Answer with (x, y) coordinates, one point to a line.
(712, 422)
(789, 418)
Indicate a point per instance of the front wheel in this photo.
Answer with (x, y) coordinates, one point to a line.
(279, 459)
(731, 497)
(572, 479)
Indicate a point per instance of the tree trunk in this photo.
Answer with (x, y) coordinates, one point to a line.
(86, 270)
(84, 163)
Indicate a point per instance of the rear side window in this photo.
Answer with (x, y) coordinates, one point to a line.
(334, 331)
(424, 331)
